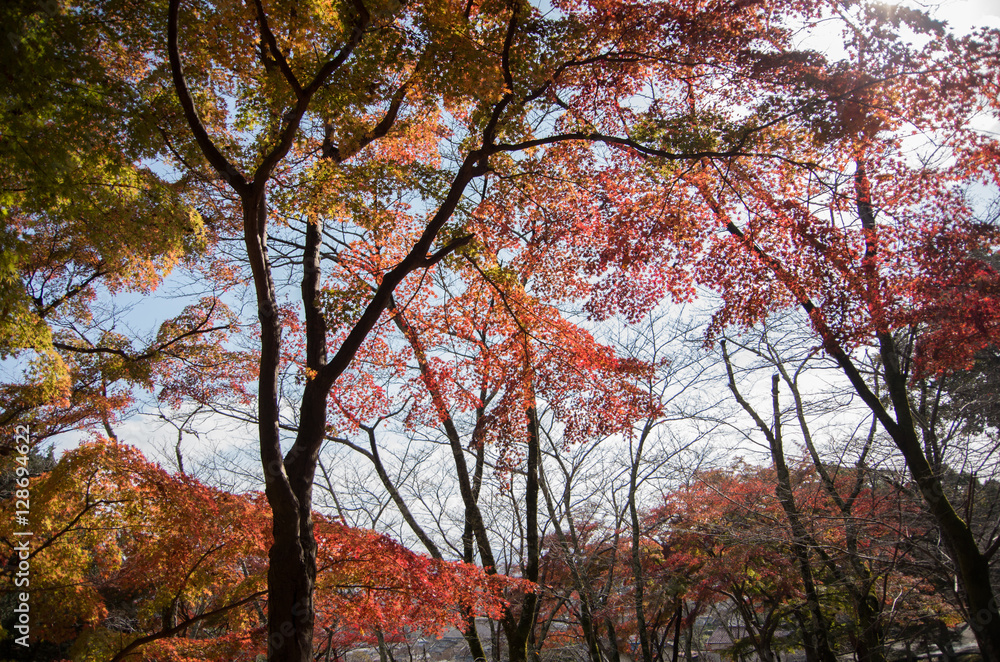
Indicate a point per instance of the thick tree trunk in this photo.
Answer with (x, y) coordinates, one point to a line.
(289, 479)
(972, 565)
(612, 650)
(870, 646)
(384, 652)
(678, 616)
(292, 556)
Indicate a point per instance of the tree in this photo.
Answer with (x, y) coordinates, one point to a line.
(496, 371)
(603, 571)
(718, 535)
(384, 77)
(86, 219)
(320, 136)
(816, 631)
(865, 239)
(129, 558)
(371, 103)
(125, 555)
(851, 521)
(728, 535)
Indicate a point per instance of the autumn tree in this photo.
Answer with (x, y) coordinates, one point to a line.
(316, 137)
(837, 214)
(332, 100)
(862, 546)
(717, 533)
(859, 279)
(601, 580)
(125, 555)
(480, 357)
(455, 392)
(323, 103)
(88, 225)
(727, 535)
(132, 560)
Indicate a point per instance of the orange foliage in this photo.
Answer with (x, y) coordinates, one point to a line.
(124, 552)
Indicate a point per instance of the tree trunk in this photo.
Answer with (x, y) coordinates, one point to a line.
(579, 579)
(638, 576)
(869, 637)
(612, 649)
(870, 646)
(677, 630)
(973, 566)
(817, 645)
(289, 479)
(519, 632)
(800, 535)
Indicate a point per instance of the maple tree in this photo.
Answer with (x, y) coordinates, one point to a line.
(492, 340)
(722, 540)
(132, 559)
(835, 215)
(463, 392)
(863, 294)
(727, 534)
(604, 143)
(86, 223)
(851, 568)
(372, 106)
(126, 555)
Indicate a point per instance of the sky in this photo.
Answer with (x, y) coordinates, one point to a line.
(961, 15)
(965, 15)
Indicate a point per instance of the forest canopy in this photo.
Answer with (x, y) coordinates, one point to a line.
(431, 256)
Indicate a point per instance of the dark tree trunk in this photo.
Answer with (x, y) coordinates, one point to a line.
(678, 616)
(638, 576)
(973, 566)
(973, 570)
(818, 646)
(519, 631)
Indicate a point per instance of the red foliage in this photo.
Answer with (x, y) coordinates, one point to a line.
(118, 541)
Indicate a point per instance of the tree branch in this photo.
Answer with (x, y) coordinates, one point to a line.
(208, 147)
(142, 641)
(279, 57)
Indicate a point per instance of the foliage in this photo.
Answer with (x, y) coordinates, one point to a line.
(725, 538)
(439, 182)
(81, 222)
(124, 553)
